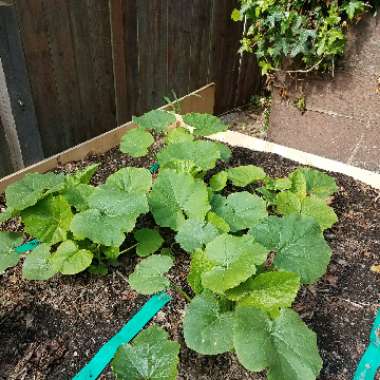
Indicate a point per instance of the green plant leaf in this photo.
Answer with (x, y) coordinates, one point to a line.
(99, 228)
(225, 151)
(8, 255)
(9, 213)
(219, 181)
(37, 265)
(85, 175)
(278, 184)
(178, 135)
(207, 330)
(149, 275)
(130, 180)
(241, 210)
(317, 183)
(243, 176)
(151, 356)
(299, 244)
(234, 260)
(218, 222)
(69, 259)
(49, 220)
(270, 291)
(320, 211)
(287, 203)
(199, 265)
(119, 203)
(354, 7)
(176, 196)
(299, 186)
(78, 195)
(156, 120)
(149, 241)
(203, 154)
(194, 234)
(204, 124)
(285, 346)
(33, 187)
(136, 142)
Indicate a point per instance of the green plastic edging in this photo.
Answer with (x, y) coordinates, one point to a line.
(106, 353)
(370, 362)
(28, 246)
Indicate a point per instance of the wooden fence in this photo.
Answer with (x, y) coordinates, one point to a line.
(77, 68)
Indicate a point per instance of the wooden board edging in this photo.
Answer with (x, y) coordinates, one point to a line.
(201, 100)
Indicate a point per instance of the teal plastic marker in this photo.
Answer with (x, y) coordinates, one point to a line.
(370, 362)
(99, 362)
(28, 246)
(154, 168)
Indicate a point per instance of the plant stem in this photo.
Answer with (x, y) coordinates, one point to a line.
(180, 291)
(128, 249)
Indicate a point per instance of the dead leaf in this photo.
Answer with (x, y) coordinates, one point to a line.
(375, 268)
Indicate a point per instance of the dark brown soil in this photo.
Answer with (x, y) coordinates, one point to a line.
(49, 330)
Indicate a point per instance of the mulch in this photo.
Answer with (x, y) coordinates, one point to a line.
(49, 330)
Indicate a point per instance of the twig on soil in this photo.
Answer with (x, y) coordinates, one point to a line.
(128, 249)
(180, 291)
(122, 276)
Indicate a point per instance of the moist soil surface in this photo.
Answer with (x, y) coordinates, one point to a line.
(49, 330)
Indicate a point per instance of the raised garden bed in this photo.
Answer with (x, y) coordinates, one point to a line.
(246, 267)
(49, 329)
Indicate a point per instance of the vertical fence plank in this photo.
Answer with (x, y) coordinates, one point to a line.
(21, 113)
(125, 57)
(152, 32)
(6, 165)
(35, 37)
(249, 81)
(179, 46)
(200, 43)
(224, 66)
(101, 48)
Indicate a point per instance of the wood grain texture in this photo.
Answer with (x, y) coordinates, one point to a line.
(201, 22)
(21, 111)
(152, 34)
(179, 46)
(202, 101)
(224, 62)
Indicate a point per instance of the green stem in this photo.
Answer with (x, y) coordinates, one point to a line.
(180, 291)
(128, 249)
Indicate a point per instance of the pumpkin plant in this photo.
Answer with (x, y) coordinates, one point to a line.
(253, 240)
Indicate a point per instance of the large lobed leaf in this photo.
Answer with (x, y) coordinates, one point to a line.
(37, 265)
(204, 124)
(49, 220)
(207, 329)
(199, 265)
(201, 154)
(242, 176)
(177, 196)
(194, 234)
(234, 260)
(149, 241)
(130, 180)
(299, 244)
(151, 356)
(240, 210)
(8, 255)
(149, 275)
(268, 291)
(136, 142)
(285, 346)
(69, 259)
(33, 187)
(156, 120)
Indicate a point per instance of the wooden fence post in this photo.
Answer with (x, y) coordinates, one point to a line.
(17, 109)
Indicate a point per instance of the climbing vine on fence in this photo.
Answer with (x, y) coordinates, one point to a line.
(297, 35)
(253, 241)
